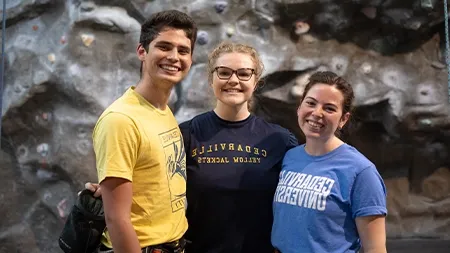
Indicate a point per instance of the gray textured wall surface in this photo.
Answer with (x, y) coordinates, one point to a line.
(67, 60)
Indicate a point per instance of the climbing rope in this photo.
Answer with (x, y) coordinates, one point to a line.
(447, 45)
(2, 68)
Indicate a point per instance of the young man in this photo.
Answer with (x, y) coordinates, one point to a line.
(139, 149)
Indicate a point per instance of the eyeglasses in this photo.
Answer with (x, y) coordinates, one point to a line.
(225, 73)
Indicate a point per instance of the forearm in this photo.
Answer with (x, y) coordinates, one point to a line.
(376, 250)
(123, 236)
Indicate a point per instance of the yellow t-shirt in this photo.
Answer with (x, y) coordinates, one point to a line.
(138, 142)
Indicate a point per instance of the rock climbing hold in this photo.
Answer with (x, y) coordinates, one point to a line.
(369, 11)
(296, 91)
(87, 6)
(35, 28)
(62, 207)
(425, 122)
(17, 89)
(309, 38)
(47, 195)
(230, 31)
(46, 116)
(87, 39)
(43, 118)
(413, 24)
(438, 65)
(45, 175)
(83, 146)
(202, 37)
(300, 84)
(42, 149)
(51, 57)
(22, 151)
(220, 6)
(366, 68)
(81, 132)
(424, 92)
(301, 27)
(428, 4)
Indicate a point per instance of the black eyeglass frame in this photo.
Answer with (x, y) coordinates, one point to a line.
(232, 73)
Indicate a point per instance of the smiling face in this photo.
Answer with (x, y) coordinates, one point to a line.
(233, 91)
(168, 59)
(321, 112)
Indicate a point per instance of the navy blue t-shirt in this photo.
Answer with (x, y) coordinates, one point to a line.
(232, 171)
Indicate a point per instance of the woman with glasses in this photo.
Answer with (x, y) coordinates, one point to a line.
(233, 160)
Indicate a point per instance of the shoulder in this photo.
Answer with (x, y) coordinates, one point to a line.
(116, 124)
(296, 151)
(117, 110)
(272, 130)
(184, 125)
(115, 119)
(268, 126)
(355, 158)
(196, 121)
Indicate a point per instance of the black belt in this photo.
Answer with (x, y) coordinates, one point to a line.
(170, 247)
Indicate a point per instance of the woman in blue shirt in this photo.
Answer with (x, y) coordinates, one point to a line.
(329, 198)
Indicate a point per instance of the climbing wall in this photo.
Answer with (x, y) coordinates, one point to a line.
(67, 60)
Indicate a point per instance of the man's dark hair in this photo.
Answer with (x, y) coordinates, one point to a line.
(167, 19)
(151, 28)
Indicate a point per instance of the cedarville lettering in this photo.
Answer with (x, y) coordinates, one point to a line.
(228, 147)
(303, 190)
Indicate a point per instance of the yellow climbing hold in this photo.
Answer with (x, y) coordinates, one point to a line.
(51, 58)
(87, 39)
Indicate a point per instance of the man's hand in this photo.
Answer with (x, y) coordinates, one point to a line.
(95, 188)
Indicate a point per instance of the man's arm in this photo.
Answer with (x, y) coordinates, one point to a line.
(116, 144)
(117, 198)
(372, 231)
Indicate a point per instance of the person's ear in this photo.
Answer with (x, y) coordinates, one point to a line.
(343, 120)
(141, 52)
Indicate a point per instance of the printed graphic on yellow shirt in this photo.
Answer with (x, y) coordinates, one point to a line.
(176, 167)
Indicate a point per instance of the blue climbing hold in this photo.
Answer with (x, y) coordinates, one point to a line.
(202, 37)
(220, 6)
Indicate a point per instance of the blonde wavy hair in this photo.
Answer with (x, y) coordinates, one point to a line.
(232, 47)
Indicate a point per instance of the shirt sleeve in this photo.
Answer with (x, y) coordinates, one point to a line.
(292, 141)
(116, 142)
(186, 133)
(368, 195)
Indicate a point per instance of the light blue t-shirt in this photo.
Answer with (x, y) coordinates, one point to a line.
(318, 198)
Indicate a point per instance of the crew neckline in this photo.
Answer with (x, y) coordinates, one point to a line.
(144, 101)
(324, 156)
(231, 123)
